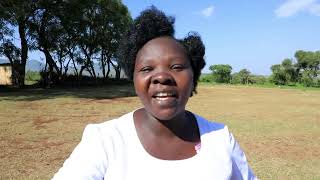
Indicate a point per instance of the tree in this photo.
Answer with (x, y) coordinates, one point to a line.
(308, 66)
(74, 31)
(46, 32)
(235, 78)
(278, 75)
(16, 13)
(97, 27)
(113, 20)
(290, 71)
(284, 73)
(244, 76)
(221, 72)
(258, 79)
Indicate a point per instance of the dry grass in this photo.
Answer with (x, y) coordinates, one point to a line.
(278, 129)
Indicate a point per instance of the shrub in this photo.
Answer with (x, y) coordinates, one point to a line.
(306, 79)
(235, 78)
(206, 78)
(258, 79)
(32, 76)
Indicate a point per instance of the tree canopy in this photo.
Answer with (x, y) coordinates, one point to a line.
(221, 72)
(71, 34)
(305, 70)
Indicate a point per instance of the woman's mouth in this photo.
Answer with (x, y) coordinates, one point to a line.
(162, 96)
(165, 99)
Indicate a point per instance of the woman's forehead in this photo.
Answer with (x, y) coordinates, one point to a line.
(162, 46)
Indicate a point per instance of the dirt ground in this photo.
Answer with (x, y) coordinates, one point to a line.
(279, 129)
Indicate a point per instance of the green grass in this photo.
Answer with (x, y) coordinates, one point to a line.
(32, 77)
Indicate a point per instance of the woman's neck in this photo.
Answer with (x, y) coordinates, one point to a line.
(184, 126)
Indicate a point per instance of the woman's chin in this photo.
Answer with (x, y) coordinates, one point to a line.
(165, 114)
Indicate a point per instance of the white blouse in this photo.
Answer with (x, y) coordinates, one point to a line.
(112, 151)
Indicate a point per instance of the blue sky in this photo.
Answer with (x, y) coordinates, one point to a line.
(245, 34)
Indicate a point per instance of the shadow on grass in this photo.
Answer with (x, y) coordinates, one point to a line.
(109, 91)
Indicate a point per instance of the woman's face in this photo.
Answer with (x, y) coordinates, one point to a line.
(163, 78)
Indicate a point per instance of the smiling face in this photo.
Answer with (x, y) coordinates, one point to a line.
(163, 78)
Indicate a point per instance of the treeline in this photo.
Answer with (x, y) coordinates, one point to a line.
(73, 34)
(303, 69)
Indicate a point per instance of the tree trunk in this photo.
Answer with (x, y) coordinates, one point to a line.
(80, 74)
(103, 65)
(50, 61)
(74, 64)
(117, 70)
(108, 63)
(66, 68)
(93, 73)
(24, 53)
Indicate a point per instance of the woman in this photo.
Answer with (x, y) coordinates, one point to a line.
(162, 140)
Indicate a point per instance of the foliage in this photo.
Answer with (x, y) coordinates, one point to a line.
(15, 14)
(258, 79)
(308, 80)
(285, 73)
(69, 33)
(32, 77)
(206, 78)
(278, 75)
(235, 78)
(242, 77)
(221, 72)
(304, 71)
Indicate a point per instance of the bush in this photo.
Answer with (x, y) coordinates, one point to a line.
(206, 78)
(32, 76)
(235, 78)
(48, 79)
(258, 79)
(306, 79)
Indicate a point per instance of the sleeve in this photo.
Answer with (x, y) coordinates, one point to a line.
(88, 161)
(240, 167)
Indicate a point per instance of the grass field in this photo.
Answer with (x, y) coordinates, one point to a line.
(279, 129)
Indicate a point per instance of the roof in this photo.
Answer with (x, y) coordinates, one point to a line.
(5, 64)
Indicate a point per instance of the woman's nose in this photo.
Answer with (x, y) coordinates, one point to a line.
(163, 78)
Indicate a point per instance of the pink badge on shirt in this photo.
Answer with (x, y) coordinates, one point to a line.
(197, 147)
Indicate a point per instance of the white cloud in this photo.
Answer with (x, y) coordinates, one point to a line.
(315, 9)
(292, 7)
(207, 12)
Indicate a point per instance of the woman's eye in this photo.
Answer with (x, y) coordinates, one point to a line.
(145, 69)
(178, 67)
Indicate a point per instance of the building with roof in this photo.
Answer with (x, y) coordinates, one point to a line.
(5, 74)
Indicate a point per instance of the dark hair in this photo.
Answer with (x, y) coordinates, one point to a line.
(153, 23)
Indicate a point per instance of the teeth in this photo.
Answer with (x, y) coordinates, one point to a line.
(164, 94)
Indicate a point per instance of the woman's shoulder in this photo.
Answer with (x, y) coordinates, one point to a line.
(114, 123)
(210, 126)
(112, 128)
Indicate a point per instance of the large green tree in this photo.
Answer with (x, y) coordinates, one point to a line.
(306, 70)
(97, 27)
(284, 73)
(244, 76)
(278, 76)
(113, 20)
(81, 32)
(16, 14)
(308, 66)
(221, 72)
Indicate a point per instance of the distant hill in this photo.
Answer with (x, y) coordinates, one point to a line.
(34, 65)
